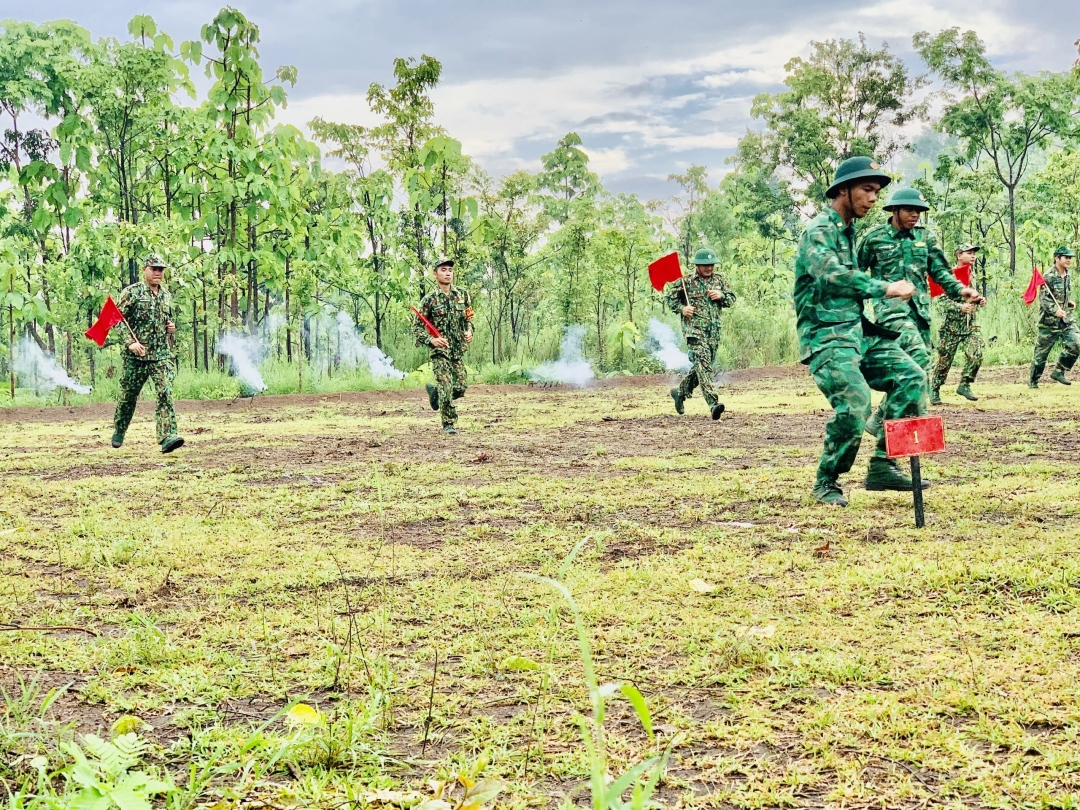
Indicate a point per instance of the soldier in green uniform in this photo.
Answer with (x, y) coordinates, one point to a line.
(708, 295)
(901, 249)
(847, 354)
(1056, 322)
(958, 328)
(147, 308)
(449, 309)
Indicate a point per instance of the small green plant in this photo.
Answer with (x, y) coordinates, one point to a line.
(104, 776)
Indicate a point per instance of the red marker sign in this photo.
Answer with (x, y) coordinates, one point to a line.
(920, 436)
(912, 438)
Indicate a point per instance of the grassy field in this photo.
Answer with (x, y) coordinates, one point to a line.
(342, 553)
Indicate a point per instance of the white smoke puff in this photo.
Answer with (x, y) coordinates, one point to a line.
(244, 353)
(571, 367)
(42, 370)
(353, 351)
(660, 342)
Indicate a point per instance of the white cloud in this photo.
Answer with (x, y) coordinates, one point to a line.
(607, 161)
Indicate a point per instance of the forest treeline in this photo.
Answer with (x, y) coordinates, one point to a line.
(292, 237)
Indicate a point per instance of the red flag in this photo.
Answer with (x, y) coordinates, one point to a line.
(427, 324)
(665, 269)
(110, 316)
(1037, 281)
(963, 275)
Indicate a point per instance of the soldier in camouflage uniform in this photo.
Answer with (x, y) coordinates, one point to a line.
(1056, 322)
(958, 328)
(900, 249)
(709, 295)
(147, 308)
(847, 354)
(449, 309)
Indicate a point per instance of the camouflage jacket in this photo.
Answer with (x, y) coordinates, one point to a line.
(450, 314)
(705, 323)
(147, 313)
(1060, 288)
(829, 287)
(891, 255)
(954, 319)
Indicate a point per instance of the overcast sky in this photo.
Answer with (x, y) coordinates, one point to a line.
(651, 87)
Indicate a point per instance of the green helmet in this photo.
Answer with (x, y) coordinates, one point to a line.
(705, 256)
(907, 198)
(154, 260)
(1063, 251)
(856, 168)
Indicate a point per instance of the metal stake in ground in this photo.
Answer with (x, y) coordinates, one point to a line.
(911, 438)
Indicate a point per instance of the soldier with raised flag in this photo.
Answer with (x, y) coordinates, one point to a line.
(148, 354)
(444, 325)
(902, 249)
(958, 328)
(847, 354)
(1056, 321)
(699, 299)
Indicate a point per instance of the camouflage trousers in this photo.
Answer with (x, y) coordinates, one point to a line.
(1069, 336)
(132, 380)
(914, 339)
(949, 340)
(846, 376)
(450, 379)
(702, 355)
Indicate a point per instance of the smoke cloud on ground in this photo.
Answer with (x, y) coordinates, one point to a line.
(40, 369)
(571, 368)
(243, 351)
(352, 351)
(660, 343)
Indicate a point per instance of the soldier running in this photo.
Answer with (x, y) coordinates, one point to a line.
(1056, 322)
(708, 295)
(449, 309)
(958, 328)
(147, 308)
(901, 249)
(847, 354)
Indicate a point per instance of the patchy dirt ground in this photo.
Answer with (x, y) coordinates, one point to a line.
(331, 549)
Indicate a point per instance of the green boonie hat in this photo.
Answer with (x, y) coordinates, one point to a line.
(444, 262)
(705, 256)
(968, 247)
(907, 198)
(154, 260)
(1062, 251)
(856, 168)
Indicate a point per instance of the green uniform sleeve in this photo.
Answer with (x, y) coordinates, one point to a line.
(1047, 306)
(420, 332)
(671, 297)
(832, 276)
(864, 254)
(728, 298)
(940, 271)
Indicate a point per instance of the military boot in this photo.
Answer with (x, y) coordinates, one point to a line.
(172, 443)
(873, 424)
(432, 396)
(117, 439)
(935, 396)
(1033, 377)
(1059, 376)
(449, 430)
(885, 474)
(717, 410)
(827, 491)
(964, 390)
(676, 395)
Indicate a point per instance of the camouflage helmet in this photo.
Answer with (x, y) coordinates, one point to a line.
(705, 256)
(1063, 251)
(154, 260)
(968, 247)
(856, 168)
(443, 262)
(907, 198)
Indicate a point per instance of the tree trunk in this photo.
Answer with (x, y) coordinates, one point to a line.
(1012, 229)
(195, 331)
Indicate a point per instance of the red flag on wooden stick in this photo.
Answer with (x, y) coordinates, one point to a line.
(963, 275)
(1037, 281)
(110, 316)
(665, 269)
(427, 324)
